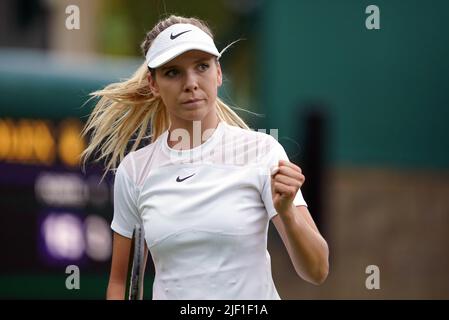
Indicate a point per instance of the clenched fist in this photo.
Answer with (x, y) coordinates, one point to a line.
(286, 180)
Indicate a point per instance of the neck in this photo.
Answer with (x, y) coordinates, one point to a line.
(191, 134)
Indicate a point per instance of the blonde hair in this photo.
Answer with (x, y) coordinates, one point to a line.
(128, 108)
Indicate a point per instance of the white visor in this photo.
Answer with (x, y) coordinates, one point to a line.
(177, 39)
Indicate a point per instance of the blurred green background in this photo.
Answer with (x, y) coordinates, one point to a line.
(363, 112)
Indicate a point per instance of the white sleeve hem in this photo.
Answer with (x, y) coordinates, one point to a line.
(271, 215)
(123, 232)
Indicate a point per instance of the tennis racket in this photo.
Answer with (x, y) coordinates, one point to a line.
(136, 263)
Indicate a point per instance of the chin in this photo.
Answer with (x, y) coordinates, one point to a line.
(194, 115)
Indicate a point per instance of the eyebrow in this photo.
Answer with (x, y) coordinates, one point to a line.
(176, 66)
(168, 67)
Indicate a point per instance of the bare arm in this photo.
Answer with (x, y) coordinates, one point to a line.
(306, 247)
(119, 267)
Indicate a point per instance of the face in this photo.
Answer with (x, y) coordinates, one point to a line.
(188, 87)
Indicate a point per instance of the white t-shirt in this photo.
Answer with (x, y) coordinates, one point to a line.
(205, 213)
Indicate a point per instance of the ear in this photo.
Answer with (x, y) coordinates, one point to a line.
(219, 75)
(153, 85)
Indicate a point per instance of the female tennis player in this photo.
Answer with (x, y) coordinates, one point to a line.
(205, 186)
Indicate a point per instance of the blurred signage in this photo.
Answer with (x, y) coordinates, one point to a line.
(52, 213)
(38, 141)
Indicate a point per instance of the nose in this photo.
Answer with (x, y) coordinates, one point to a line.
(191, 82)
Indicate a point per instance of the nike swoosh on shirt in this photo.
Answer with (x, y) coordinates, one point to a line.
(173, 37)
(178, 179)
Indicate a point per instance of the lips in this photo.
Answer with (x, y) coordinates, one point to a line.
(191, 101)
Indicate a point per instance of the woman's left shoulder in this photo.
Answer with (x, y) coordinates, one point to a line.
(250, 133)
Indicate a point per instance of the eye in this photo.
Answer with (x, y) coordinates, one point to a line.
(203, 66)
(171, 73)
